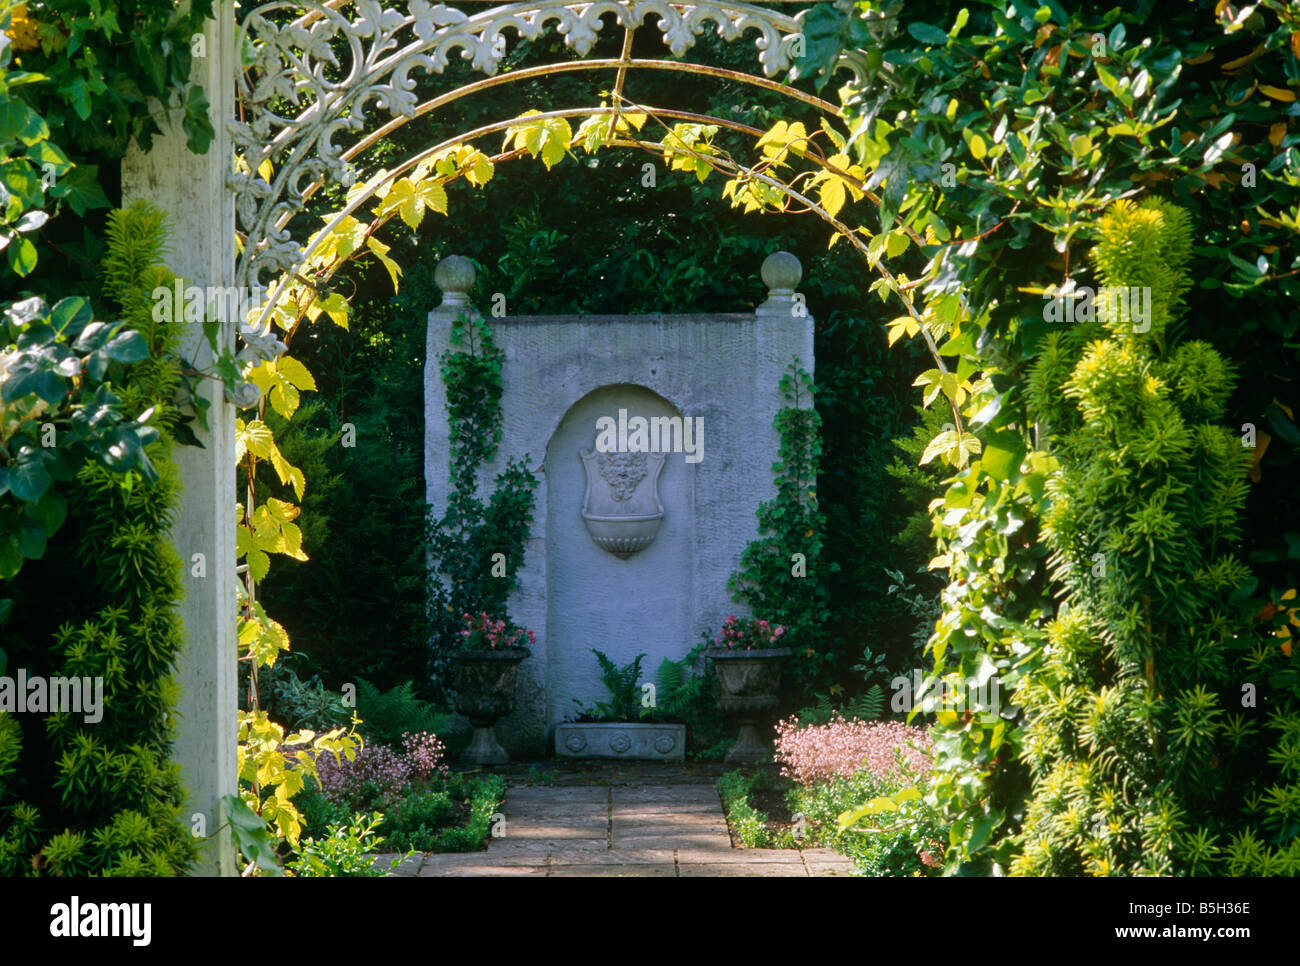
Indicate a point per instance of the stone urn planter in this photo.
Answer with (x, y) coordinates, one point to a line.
(484, 682)
(750, 683)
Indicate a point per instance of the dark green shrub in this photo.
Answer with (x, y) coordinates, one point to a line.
(296, 704)
(428, 808)
(104, 798)
(1137, 706)
(319, 814)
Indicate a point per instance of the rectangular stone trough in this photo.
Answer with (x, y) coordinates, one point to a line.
(640, 740)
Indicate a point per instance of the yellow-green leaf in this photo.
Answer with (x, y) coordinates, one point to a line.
(381, 252)
(832, 195)
(336, 307)
(257, 438)
(295, 372)
(897, 243)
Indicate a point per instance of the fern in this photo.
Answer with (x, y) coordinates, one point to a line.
(387, 715)
(622, 685)
(866, 707)
(676, 690)
(621, 682)
(870, 706)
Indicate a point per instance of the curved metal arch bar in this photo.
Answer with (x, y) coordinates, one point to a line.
(386, 177)
(299, 62)
(840, 227)
(826, 107)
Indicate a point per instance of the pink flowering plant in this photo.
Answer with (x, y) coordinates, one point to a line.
(747, 634)
(479, 632)
(423, 807)
(379, 775)
(814, 753)
(858, 787)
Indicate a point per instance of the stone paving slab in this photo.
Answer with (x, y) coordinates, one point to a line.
(665, 794)
(826, 855)
(689, 833)
(556, 829)
(695, 823)
(493, 857)
(687, 808)
(768, 856)
(408, 867)
(747, 869)
(828, 870)
(544, 810)
(611, 871)
(576, 793)
(517, 844)
(466, 871)
(612, 857)
(664, 829)
(730, 856)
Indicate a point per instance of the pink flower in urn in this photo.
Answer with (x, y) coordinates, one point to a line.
(482, 632)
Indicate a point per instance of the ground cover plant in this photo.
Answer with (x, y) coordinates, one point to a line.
(423, 806)
(752, 825)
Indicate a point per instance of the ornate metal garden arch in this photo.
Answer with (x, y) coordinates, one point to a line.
(342, 60)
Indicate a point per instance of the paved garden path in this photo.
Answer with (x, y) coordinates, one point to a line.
(634, 829)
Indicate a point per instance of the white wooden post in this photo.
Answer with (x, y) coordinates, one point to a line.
(192, 190)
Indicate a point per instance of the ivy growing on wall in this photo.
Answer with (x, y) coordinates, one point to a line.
(100, 74)
(782, 576)
(477, 547)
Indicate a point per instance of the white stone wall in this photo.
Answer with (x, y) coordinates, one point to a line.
(560, 374)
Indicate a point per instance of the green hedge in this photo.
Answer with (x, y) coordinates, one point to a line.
(104, 798)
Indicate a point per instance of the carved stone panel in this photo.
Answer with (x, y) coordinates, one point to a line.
(621, 509)
(643, 740)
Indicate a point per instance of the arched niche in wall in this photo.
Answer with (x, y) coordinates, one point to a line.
(622, 598)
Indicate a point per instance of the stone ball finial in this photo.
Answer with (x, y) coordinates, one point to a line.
(454, 277)
(781, 273)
